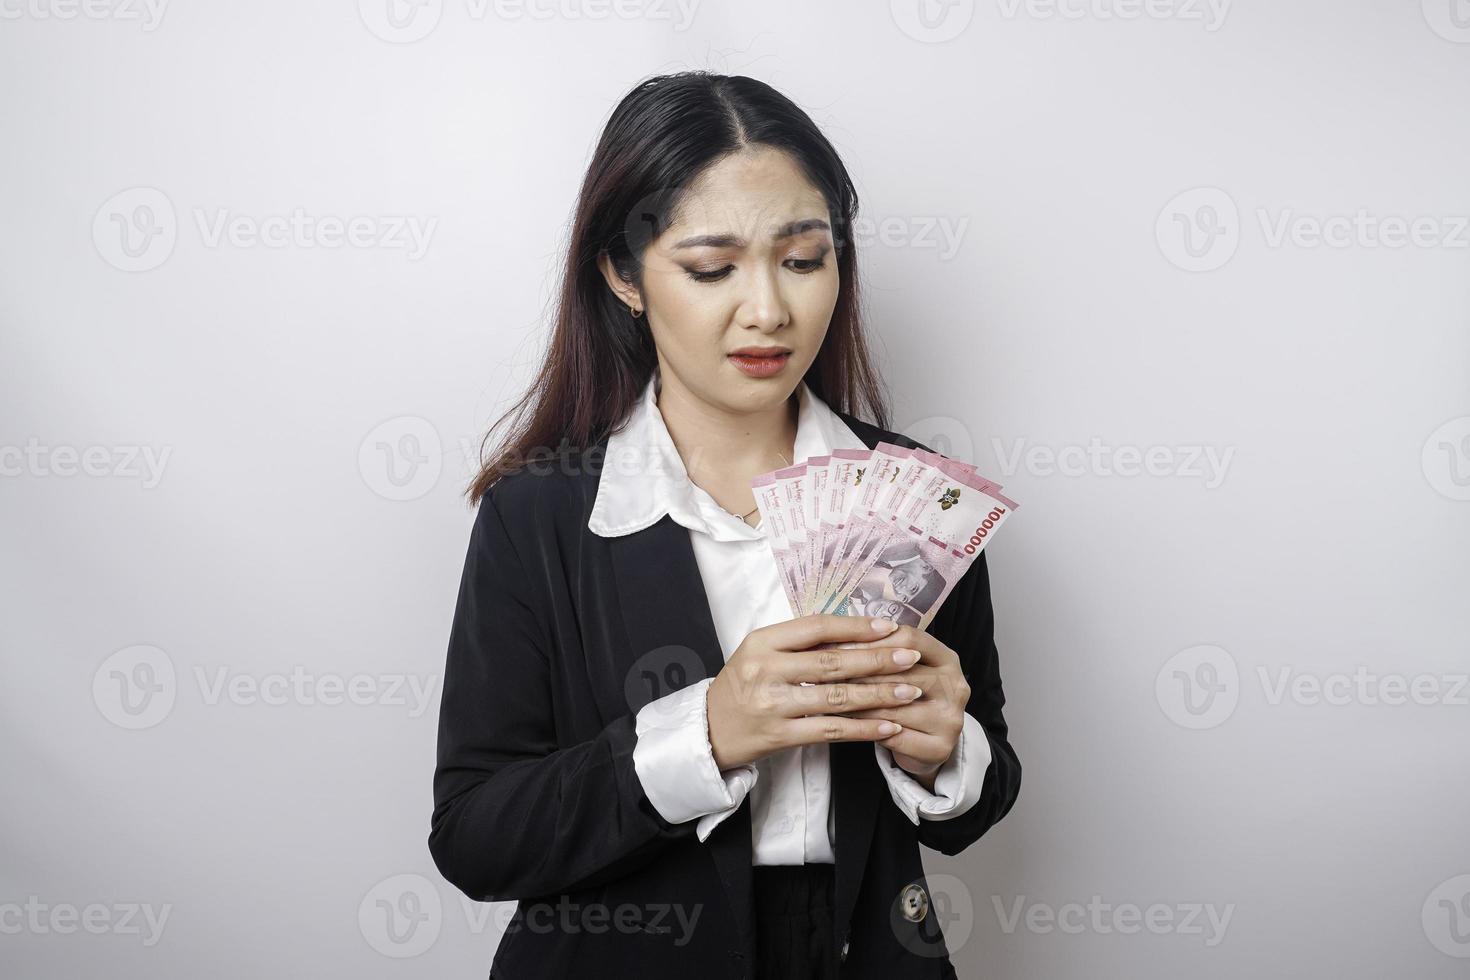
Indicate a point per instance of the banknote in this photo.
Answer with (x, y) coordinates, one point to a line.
(776, 528)
(845, 471)
(925, 551)
(882, 532)
(865, 519)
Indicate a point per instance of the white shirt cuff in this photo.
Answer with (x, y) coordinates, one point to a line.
(957, 785)
(676, 764)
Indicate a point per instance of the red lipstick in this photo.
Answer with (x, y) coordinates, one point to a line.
(760, 362)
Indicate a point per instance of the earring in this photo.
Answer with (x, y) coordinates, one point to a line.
(636, 312)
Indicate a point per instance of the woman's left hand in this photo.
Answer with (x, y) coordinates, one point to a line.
(931, 723)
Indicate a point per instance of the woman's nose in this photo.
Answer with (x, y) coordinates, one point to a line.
(764, 306)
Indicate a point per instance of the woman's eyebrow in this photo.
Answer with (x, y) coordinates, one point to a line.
(788, 230)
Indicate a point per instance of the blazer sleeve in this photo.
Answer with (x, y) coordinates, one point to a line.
(517, 813)
(966, 624)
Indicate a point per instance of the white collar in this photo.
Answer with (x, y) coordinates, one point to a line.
(643, 477)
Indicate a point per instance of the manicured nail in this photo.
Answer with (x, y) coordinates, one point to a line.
(884, 626)
(906, 691)
(889, 728)
(905, 658)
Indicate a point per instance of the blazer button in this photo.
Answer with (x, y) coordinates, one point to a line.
(913, 901)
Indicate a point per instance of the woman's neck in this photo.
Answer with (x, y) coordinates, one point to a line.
(723, 451)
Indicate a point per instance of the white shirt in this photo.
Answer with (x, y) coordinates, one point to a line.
(643, 478)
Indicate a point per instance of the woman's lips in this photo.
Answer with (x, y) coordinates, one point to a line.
(760, 367)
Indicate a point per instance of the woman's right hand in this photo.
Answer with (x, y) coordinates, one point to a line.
(757, 705)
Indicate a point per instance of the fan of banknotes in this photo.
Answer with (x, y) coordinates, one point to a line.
(877, 532)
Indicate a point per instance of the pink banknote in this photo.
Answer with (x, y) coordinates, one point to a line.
(881, 532)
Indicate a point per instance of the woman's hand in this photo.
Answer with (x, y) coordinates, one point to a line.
(932, 723)
(757, 704)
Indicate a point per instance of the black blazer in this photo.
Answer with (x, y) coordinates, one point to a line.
(535, 795)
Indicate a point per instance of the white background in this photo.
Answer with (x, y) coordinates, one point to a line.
(1097, 250)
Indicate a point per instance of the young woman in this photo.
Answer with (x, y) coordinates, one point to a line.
(637, 741)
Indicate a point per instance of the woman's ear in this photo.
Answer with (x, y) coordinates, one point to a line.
(626, 293)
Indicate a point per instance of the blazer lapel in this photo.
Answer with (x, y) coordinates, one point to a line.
(664, 603)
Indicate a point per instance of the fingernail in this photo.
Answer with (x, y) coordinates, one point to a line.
(889, 728)
(884, 625)
(906, 691)
(905, 658)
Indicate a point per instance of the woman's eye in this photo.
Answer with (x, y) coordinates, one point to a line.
(713, 275)
(806, 266)
(803, 267)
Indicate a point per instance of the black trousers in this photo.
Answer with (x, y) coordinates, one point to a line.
(793, 922)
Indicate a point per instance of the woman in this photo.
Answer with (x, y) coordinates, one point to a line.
(623, 670)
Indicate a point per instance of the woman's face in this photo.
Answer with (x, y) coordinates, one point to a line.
(747, 263)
